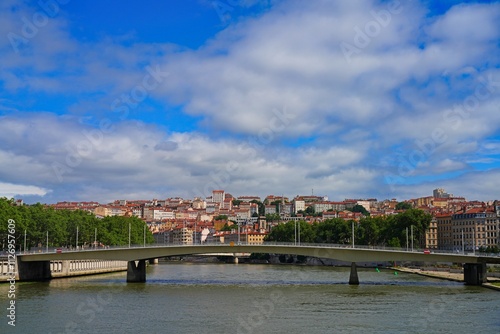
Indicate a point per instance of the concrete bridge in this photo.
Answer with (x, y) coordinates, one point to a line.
(36, 266)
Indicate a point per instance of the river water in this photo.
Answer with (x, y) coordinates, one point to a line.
(229, 298)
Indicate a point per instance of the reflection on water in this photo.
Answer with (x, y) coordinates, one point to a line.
(226, 298)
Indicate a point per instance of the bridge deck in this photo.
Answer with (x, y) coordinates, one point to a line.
(342, 253)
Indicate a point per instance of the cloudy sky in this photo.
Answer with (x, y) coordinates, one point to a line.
(156, 99)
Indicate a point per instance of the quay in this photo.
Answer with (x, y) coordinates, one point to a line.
(64, 268)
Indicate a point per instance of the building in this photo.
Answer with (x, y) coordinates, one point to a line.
(440, 193)
(246, 238)
(218, 196)
(298, 205)
(322, 206)
(109, 210)
(198, 204)
(154, 213)
(475, 228)
(182, 236)
(430, 240)
(270, 209)
(444, 231)
(249, 198)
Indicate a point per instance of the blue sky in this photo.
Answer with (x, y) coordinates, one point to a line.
(155, 99)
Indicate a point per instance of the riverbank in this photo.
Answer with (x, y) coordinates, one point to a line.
(455, 277)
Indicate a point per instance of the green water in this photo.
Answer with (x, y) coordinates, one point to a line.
(228, 298)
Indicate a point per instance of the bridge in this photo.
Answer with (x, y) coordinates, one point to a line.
(37, 266)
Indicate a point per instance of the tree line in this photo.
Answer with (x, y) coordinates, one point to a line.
(63, 226)
(371, 231)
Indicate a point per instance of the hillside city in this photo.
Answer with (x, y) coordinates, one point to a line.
(457, 224)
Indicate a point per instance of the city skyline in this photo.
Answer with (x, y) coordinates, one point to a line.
(380, 99)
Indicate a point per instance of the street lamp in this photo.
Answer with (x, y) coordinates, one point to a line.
(129, 228)
(352, 233)
(407, 239)
(463, 246)
(299, 233)
(411, 238)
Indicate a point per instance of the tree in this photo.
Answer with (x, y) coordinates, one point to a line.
(369, 231)
(272, 217)
(262, 207)
(360, 208)
(333, 231)
(62, 226)
(309, 210)
(403, 206)
(221, 217)
(226, 227)
(398, 224)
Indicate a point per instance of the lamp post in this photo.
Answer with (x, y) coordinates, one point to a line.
(407, 239)
(411, 238)
(129, 228)
(144, 235)
(95, 238)
(77, 238)
(299, 233)
(295, 235)
(463, 246)
(24, 241)
(238, 232)
(474, 240)
(47, 244)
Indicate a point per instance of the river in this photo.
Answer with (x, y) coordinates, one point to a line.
(228, 298)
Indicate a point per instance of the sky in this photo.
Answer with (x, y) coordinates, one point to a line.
(106, 100)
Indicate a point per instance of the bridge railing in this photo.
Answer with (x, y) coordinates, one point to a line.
(267, 243)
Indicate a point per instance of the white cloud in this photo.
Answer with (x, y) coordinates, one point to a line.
(277, 82)
(10, 190)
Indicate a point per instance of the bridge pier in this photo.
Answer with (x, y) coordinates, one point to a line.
(153, 261)
(353, 277)
(136, 271)
(33, 271)
(475, 273)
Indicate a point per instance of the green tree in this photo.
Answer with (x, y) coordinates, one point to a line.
(360, 208)
(369, 231)
(310, 211)
(335, 230)
(262, 208)
(403, 206)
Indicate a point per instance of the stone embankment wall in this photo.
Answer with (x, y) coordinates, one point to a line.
(68, 268)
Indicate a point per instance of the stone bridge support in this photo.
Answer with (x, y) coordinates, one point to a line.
(353, 277)
(33, 271)
(136, 271)
(474, 273)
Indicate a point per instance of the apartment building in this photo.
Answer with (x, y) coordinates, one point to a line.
(475, 228)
